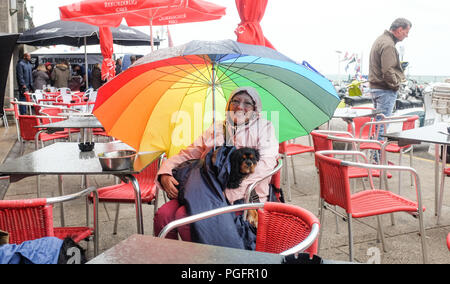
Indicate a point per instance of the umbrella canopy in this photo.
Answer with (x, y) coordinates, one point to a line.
(141, 12)
(73, 34)
(171, 96)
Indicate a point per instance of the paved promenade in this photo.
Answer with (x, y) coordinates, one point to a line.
(402, 240)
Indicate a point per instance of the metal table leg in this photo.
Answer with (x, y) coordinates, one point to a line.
(61, 193)
(436, 177)
(138, 203)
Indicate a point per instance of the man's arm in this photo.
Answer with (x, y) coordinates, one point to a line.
(389, 68)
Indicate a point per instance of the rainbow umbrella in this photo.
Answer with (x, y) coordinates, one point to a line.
(169, 97)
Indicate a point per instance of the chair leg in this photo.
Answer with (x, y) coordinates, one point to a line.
(423, 238)
(96, 224)
(293, 170)
(116, 219)
(441, 190)
(350, 237)
(400, 174)
(286, 175)
(321, 221)
(411, 154)
(381, 232)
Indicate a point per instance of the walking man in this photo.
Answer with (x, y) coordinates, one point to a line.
(24, 78)
(385, 71)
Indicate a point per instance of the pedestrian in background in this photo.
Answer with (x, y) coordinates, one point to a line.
(385, 70)
(118, 66)
(24, 78)
(61, 75)
(96, 79)
(40, 77)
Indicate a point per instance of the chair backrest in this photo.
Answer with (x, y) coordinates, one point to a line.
(65, 98)
(282, 148)
(282, 226)
(26, 220)
(410, 123)
(148, 175)
(359, 122)
(27, 125)
(321, 141)
(64, 91)
(37, 96)
(334, 181)
(51, 112)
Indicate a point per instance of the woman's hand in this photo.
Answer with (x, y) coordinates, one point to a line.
(169, 184)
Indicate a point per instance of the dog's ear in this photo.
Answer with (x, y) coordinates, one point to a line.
(235, 160)
(257, 155)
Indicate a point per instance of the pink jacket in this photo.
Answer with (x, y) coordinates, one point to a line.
(258, 133)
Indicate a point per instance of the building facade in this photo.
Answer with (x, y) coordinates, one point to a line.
(14, 18)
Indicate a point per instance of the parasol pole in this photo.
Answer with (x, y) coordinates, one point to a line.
(151, 32)
(86, 73)
(213, 85)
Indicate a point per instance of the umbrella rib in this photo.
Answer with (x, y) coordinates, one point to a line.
(182, 77)
(291, 86)
(228, 68)
(238, 68)
(207, 81)
(301, 124)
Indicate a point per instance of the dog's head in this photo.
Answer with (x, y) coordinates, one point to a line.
(243, 162)
(246, 158)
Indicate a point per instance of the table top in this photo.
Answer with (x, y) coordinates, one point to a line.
(145, 249)
(428, 134)
(67, 159)
(75, 122)
(350, 113)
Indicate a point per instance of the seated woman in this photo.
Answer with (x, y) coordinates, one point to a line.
(244, 127)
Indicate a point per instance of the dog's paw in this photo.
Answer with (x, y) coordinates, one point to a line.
(252, 217)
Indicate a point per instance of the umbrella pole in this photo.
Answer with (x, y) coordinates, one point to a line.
(86, 73)
(151, 33)
(213, 85)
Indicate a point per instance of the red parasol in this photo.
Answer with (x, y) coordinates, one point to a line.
(249, 30)
(141, 12)
(110, 13)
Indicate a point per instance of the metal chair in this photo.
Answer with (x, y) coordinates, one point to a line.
(287, 149)
(31, 219)
(323, 141)
(125, 192)
(28, 131)
(335, 190)
(408, 122)
(283, 229)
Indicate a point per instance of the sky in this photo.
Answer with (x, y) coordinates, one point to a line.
(315, 30)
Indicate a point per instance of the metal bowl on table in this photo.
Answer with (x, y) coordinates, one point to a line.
(117, 160)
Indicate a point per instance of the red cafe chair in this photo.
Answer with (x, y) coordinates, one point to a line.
(408, 122)
(124, 192)
(30, 219)
(335, 191)
(286, 150)
(28, 131)
(282, 228)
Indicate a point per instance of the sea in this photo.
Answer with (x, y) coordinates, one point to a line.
(423, 79)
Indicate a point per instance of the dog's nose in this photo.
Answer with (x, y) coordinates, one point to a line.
(249, 163)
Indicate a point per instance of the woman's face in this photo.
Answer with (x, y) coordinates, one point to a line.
(241, 108)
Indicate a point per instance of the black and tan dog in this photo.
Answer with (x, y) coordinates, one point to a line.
(243, 162)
